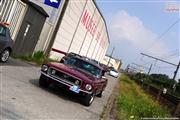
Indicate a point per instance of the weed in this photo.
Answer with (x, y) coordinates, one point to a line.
(133, 103)
(38, 58)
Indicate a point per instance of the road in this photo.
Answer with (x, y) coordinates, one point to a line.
(21, 97)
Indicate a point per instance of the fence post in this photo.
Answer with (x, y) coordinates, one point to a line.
(159, 94)
(147, 89)
(177, 110)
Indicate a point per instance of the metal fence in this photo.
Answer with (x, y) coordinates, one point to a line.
(172, 102)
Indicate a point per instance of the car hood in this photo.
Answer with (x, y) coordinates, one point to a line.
(81, 74)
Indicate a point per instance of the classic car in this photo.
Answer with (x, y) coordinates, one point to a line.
(75, 74)
(6, 43)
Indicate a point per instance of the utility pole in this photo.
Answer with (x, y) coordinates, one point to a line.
(52, 39)
(110, 56)
(150, 69)
(176, 71)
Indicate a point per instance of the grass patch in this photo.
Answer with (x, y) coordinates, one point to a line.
(38, 58)
(133, 103)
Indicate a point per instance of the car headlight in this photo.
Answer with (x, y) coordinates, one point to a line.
(44, 68)
(88, 87)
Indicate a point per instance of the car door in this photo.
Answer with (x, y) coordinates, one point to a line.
(3, 38)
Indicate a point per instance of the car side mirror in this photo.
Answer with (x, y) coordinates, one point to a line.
(62, 60)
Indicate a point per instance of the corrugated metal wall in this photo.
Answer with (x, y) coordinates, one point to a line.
(82, 31)
(44, 37)
(49, 25)
(12, 11)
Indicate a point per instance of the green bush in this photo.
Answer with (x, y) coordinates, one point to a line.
(38, 57)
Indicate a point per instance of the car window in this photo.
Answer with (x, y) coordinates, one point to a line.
(114, 70)
(86, 66)
(2, 30)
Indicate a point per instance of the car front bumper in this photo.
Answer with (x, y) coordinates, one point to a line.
(63, 82)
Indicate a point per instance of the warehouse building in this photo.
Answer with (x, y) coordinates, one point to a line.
(25, 30)
(112, 62)
(82, 30)
(76, 26)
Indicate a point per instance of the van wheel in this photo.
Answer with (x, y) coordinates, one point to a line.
(4, 56)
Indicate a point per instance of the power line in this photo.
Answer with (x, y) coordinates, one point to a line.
(170, 56)
(159, 59)
(176, 71)
(159, 38)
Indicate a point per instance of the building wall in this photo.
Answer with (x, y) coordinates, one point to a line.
(112, 63)
(12, 12)
(49, 26)
(52, 12)
(82, 31)
(29, 32)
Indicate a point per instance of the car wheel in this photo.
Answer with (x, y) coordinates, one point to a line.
(89, 98)
(4, 56)
(43, 81)
(100, 94)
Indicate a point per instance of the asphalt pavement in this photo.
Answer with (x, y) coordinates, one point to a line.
(21, 98)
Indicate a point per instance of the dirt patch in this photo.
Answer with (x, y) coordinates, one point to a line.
(109, 112)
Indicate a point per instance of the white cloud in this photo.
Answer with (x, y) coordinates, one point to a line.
(125, 27)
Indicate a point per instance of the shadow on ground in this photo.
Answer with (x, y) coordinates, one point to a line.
(58, 91)
(16, 62)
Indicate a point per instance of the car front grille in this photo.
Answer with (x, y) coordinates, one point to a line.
(63, 76)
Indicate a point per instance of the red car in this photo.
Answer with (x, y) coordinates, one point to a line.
(76, 74)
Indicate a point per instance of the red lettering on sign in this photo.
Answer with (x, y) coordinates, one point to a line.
(94, 28)
(98, 36)
(84, 18)
(89, 23)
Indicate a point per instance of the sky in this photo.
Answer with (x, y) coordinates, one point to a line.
(150, 27)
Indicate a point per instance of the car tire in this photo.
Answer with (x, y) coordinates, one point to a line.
(43, 81)
(4, 56)
(88, 99)
(100, 94)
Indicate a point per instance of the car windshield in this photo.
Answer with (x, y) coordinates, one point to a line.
(85, 66)
(114, 70)
(2, 30)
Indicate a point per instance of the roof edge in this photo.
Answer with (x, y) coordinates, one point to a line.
(37, 7)
(102, 18)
